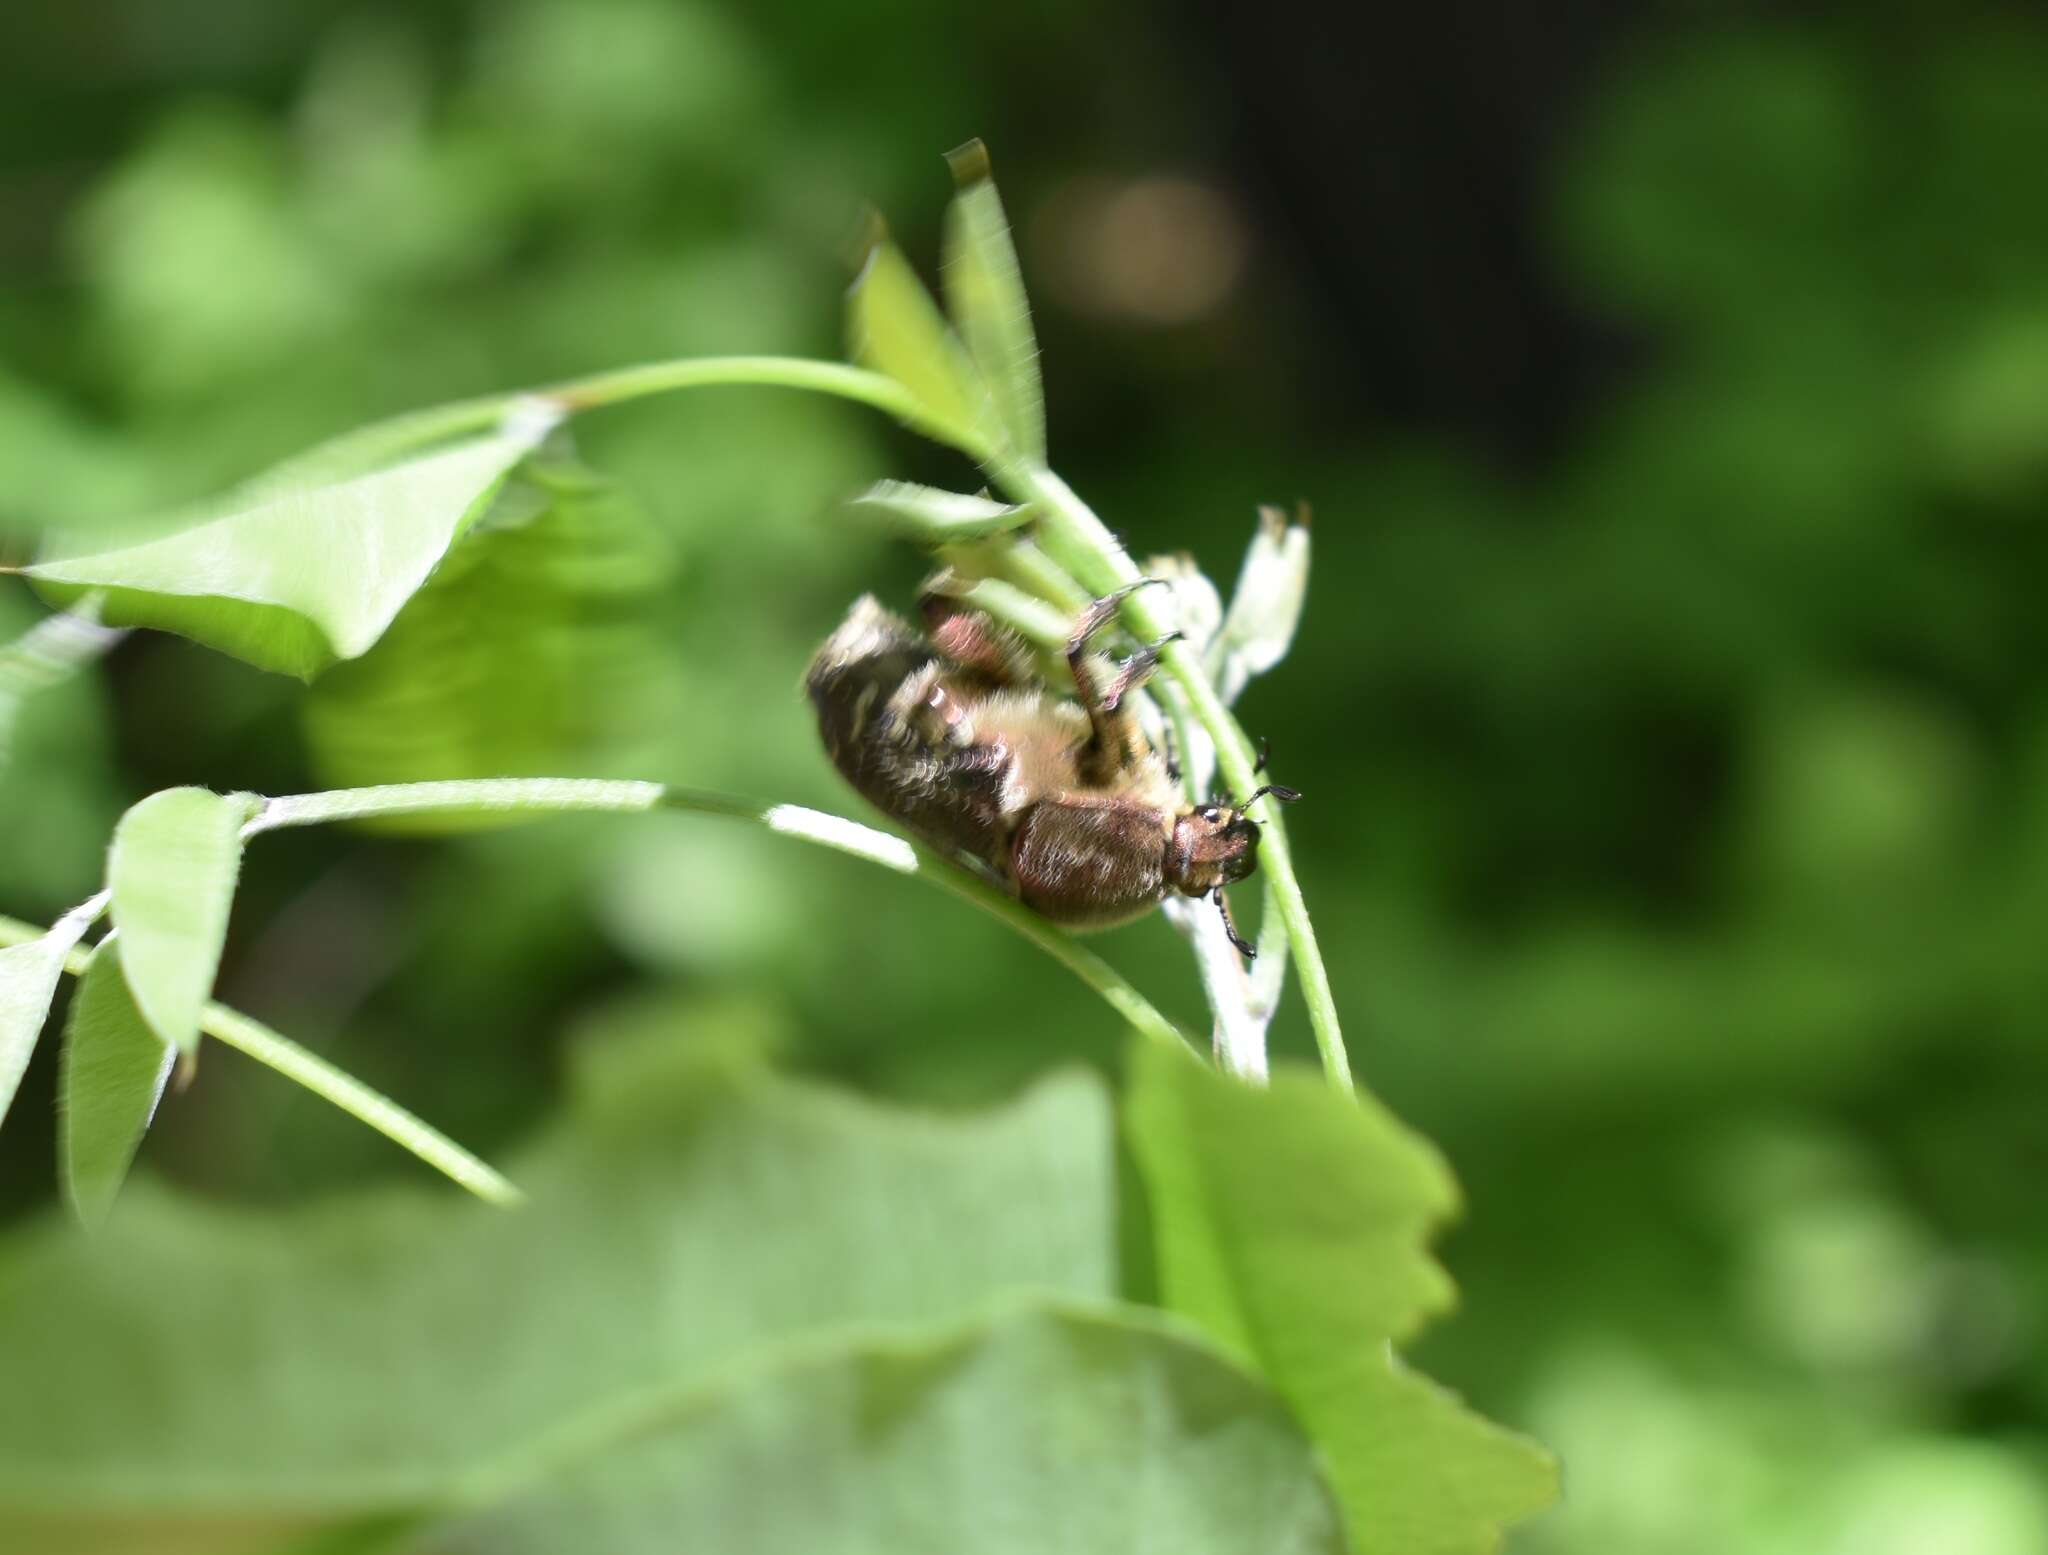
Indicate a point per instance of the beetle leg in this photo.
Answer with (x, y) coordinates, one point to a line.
(1099, 613)
(1244, 946)
(1115, 738)
(1134, 671)
(976, 640)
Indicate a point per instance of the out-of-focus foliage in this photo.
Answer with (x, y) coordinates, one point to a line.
(714, 1266)
(1678, 819)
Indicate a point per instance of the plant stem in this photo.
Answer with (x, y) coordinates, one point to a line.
(1072, 534)
(788, 372)
(381, 1113)
(545, 796)
(324, 1080)
(704, 372)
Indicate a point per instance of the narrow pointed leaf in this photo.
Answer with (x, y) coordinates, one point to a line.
(985, 295)
(292, 575)
(112, 1075)
(1291, 1223)
(894, 327)
(1266, 607)
(29, 975)
(172, 873)
(929, 514)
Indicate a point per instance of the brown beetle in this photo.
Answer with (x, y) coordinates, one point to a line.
(1067, 804)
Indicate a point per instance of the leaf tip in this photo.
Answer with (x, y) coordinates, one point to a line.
(970, 164)
(871, 236)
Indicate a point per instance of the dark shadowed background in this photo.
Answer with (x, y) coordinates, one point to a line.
(1671, 387)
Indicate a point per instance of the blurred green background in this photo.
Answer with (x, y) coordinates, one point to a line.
(1671, 386)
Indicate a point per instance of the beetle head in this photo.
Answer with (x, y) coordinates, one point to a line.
(1212, 846)
(1216, 845)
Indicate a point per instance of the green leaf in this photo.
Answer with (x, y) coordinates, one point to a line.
(1291, 1223)
(535, 650)
(172, 872)
(985, 295)
(298, 571)
(112, 1076)
(1088, 1433)
(692, 1219)
(383, 444)
(929, 514)
(29, 975)
(894, 327)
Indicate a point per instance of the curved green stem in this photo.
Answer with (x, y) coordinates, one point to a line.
(442, 422)
(1072, 534)
(267, 1047)
(787, 372)
(544, 796)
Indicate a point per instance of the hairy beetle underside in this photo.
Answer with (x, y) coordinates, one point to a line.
(1065, 803)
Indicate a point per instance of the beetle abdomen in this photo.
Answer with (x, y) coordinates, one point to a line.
(899, 734)
(1090, 862)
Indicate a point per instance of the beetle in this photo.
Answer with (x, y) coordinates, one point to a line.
(953, 732)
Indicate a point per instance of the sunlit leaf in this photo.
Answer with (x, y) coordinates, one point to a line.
(293, 575)
(112, 1076)
(384, 444)
(927, 513)
(692, 1220)
(1083, 1433)
(985, 295)
(533, 650)
(29, 975)
(1291, 1223)
(172, 872)
(894, 327)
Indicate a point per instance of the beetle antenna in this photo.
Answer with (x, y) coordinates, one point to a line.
(1244, 946)
(1279, 791)
(1265, 751)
